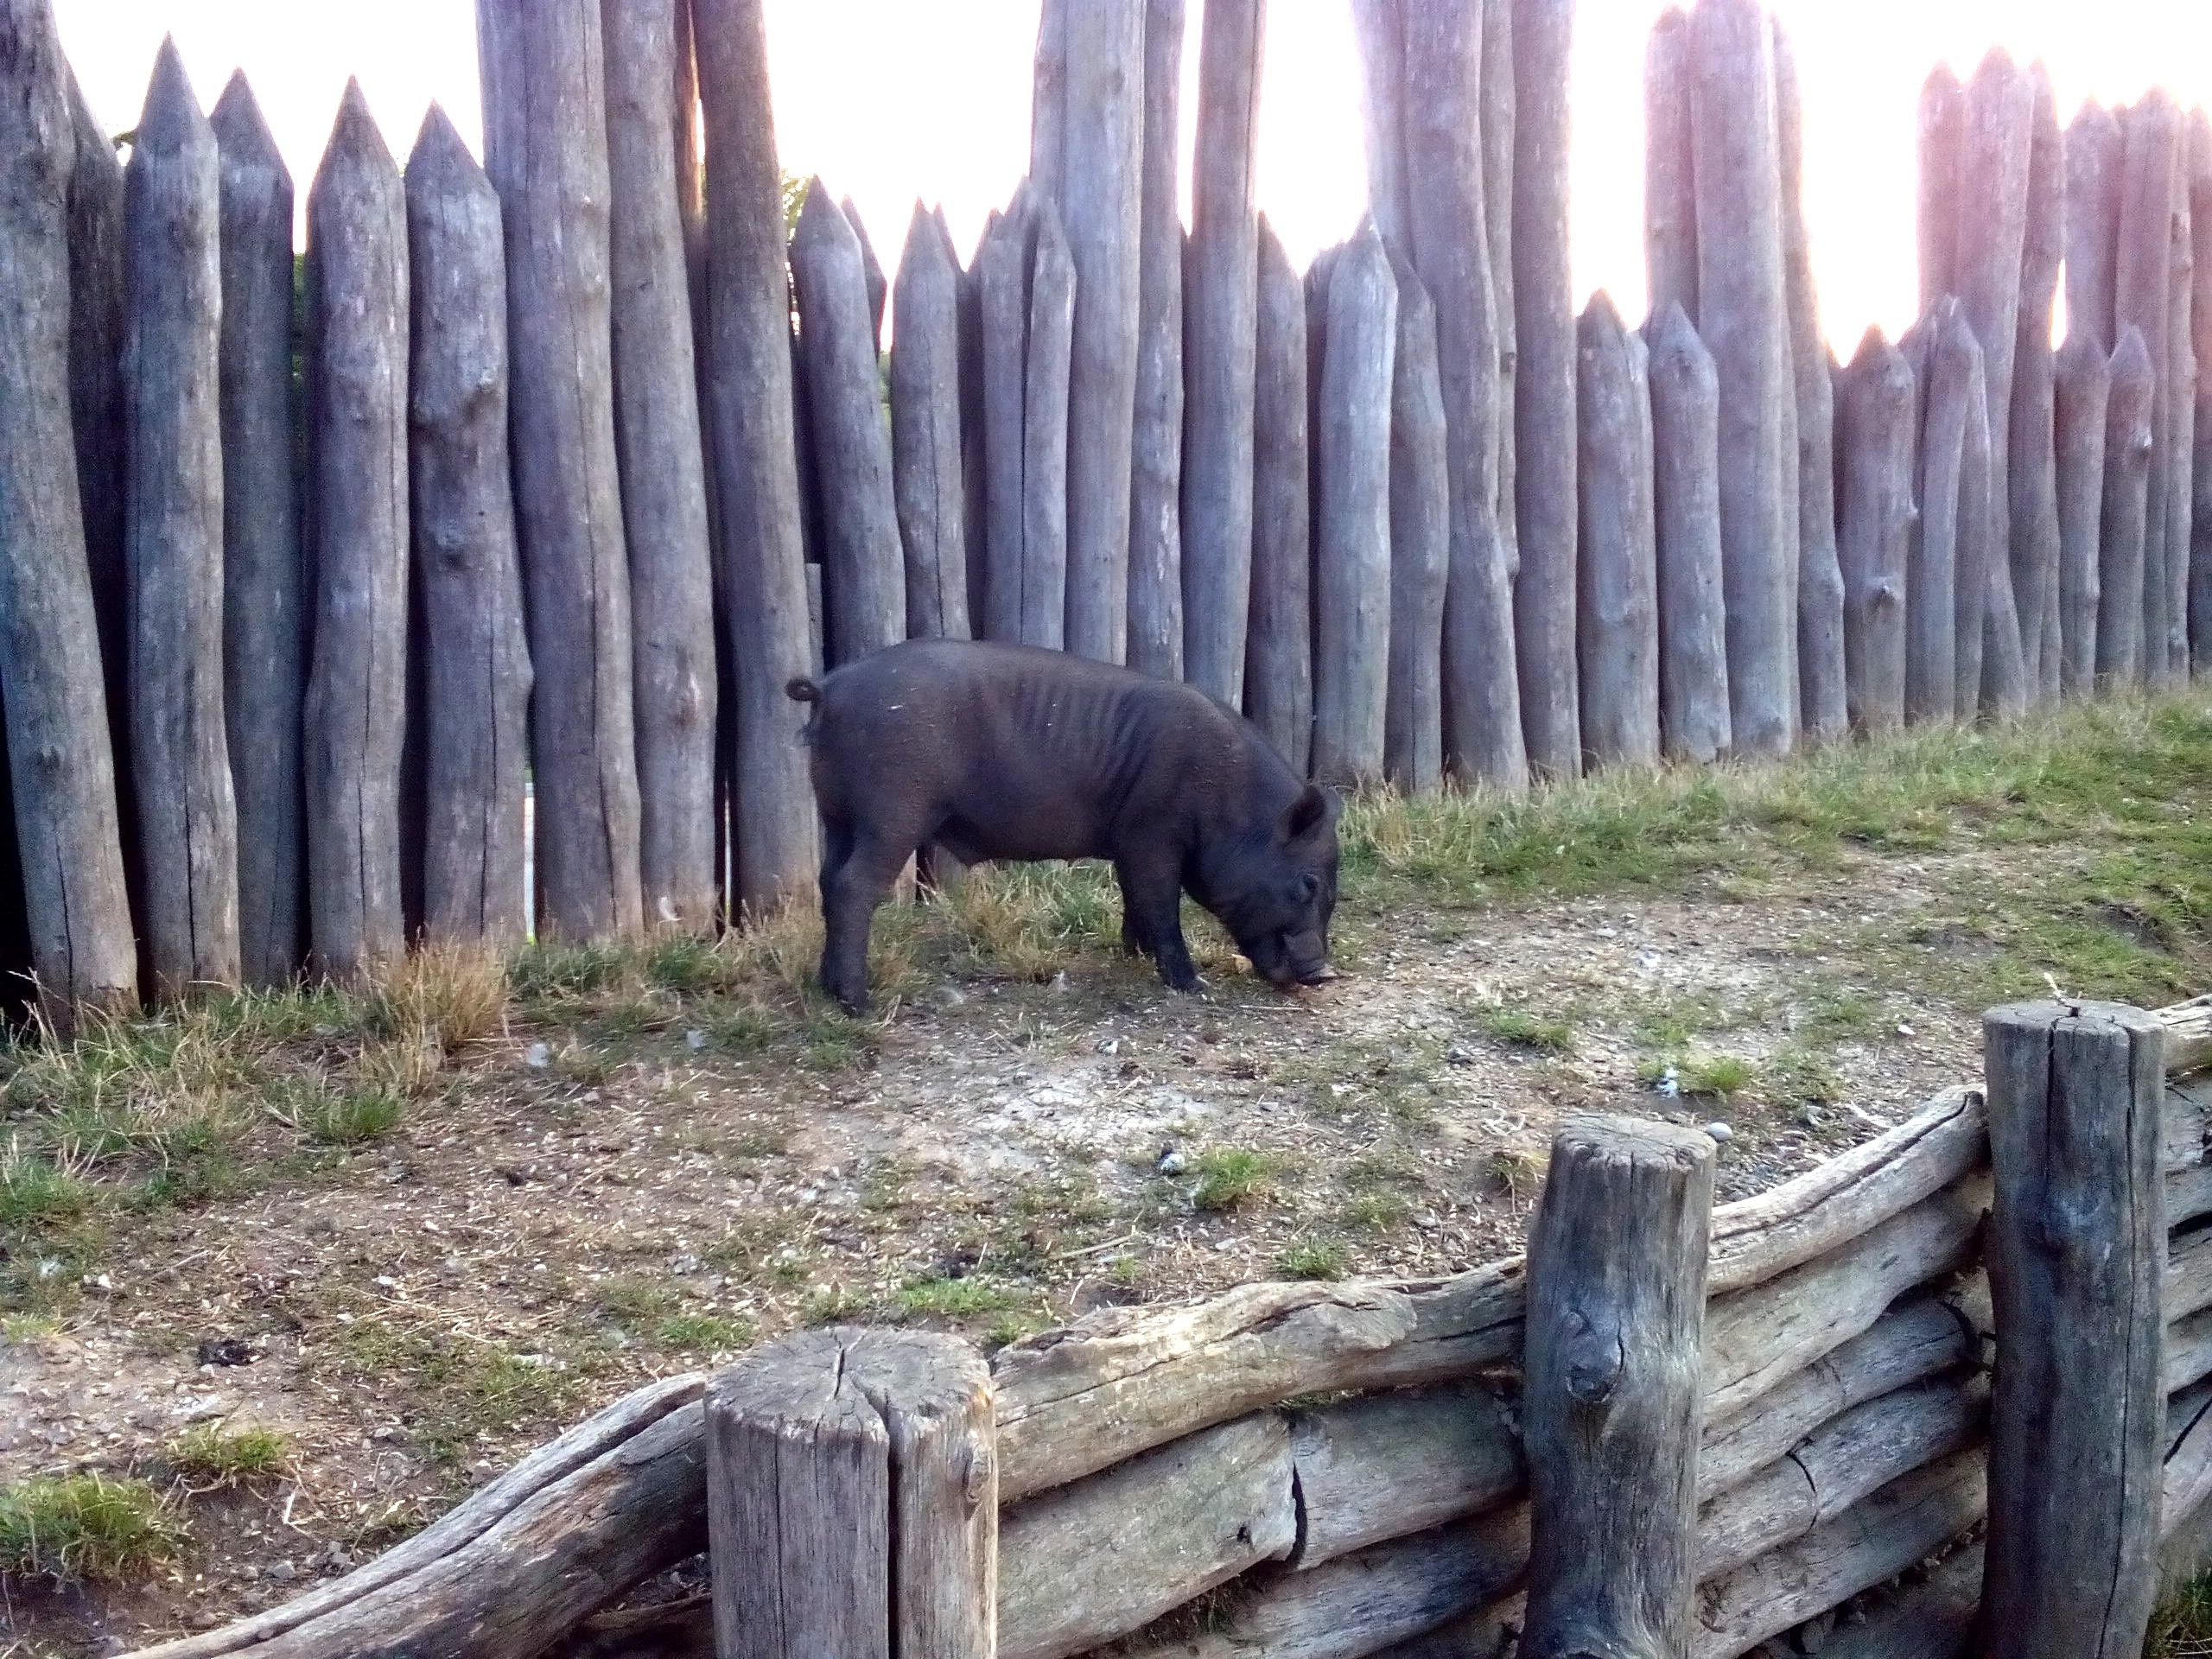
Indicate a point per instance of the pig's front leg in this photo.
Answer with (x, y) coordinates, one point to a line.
(1152, 916)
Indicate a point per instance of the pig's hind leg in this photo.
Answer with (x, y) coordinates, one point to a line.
(850, 891)
(1152, 918)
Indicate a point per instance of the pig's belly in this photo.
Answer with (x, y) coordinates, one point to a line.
(978, 837)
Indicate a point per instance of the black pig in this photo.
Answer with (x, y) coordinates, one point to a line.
(1008, 752)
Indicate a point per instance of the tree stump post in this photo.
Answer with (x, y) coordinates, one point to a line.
(1352, 539)
(1002, 261)
(755, 473)
(1156, 625)
(2032, 465)
(356, 701)
(1420, 547)
(1046, 438)
(661, 456)
(1953, 360)
(2081, 391)
(927, 481)
(476, 672)
(173, 533)
(2076, 1254)
(1618, 609)
(2129, 411)
(1279, 647)
(1686, 501)
(1220, 324)
(852, 1493)
(1611, 1405)
(1876, 409)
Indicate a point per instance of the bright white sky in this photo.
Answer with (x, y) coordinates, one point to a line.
(891, 98)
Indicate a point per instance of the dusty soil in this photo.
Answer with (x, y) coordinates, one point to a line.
(578, 1213)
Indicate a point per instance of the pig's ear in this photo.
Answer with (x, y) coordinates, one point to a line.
(1306, 814)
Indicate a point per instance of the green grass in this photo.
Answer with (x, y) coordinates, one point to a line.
(450, 1387)
(1229, 1177)
(211, 1454)
(85, 1528)
(969, 1298)
(1316, 1258)
(2181, 1628)
(32, 1191)
(1702, 1076)
(705, 1333)
(1517, 1028)
(334, 1116)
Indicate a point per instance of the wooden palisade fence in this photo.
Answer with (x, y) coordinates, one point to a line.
(1870, 1401)
(585, 461)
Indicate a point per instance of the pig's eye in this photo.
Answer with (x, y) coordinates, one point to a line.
(1308, 885)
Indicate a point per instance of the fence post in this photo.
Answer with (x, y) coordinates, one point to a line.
(1611, 1407)
(2076, 1254)
(852, 1492)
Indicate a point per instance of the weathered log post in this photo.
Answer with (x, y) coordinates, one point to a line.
(2142, 288)
(756, 474)
(1544, 414)
(265, 577)
(926, 479)
(1485, 737)
(2033, 461)
(1351, 535)
(173, 537)
(1379, 32)
(1002, 262)
(1610, 1406)
(873, 280)
(476, 672)
(1101, 205)
(2200, 551)
(1743, 318)
(2181, 415)
(2002, 687)
(1941, 137)
(356, 423)
(1876, 406)
(1669, 179)
(1155, 624)
(1495, 107)
(2129, 411)
(1617, 608)
(2094, 152)
(1953, 359)
(975, 462)
(1822, 701)
(1048, 99)
(1686, 499)
(1421, 546)
(1975, 543)
(2082, 386)
(852, 1499)
(1220, 323)
(661, 457)
(2077, 1250)
(545, 150)
(1278, 647)
(863, 572)
(1046, 436)
(60, 753)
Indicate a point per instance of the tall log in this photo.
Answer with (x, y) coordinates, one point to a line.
(1351, 538)
(545, 150)
(1877, 403)
(1499, 123)
(2004, 688)
(661, 462)
(1685, 497)
(1823, 701)
(755, 476)
(927, 481)
(1101, 208)
(1048, 100)
(58, 751)
(852, 1499)
(1046, 436)
(1002, 260)
(1420, 547)
(871, 278)
(1484, 734)
(476, 672)
(2094, 176)
(2200, 552)
(1379, 31)
(1617, 607)
(974, 457)
(1743, 316)
(2082, 378)
(1278, 649)
(863, 571)
(173, 537)
(1932, 571)
(2143, 274)
(1994, 162)
(1975, 542)
(2077, 1250)
(2181, 419)
(2129, 411)
(1544, 420)
(1156, 446)
(1220, 321)
(265, 577)
(1941, 143)
(1610, 1405)
(2032, 464)
(357, 423)
(1669, 177)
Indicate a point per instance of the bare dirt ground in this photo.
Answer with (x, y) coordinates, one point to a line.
(580, 1209)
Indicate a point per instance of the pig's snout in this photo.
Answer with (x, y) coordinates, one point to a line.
(1303, 960)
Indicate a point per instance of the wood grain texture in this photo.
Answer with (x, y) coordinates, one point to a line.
(2081, 391)
(1155, 625)
(1877, 411)
(1941, 138)
(1617, 608)
(1278, 645)
(1002, 259)
(1047, 439)
(1694, 718)
(2094, 156)
(2031, 461)
(927, 481)
(2143, 275)
(1420, 547)
(1953, 372)
(1669, 177)
(1381, 1467)
(2131, 409)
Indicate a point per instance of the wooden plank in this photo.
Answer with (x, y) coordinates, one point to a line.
(2129, 412)
(265, 574)
(1278, 645)
(1876, 412)
(1694, 722)
(1611, 1400)
(358, 299)
(1381, 1467)
(928, 484)
(1932, 569)
(1156, 443)
(1618, 609)
(544, 87)
(2083, 391)
(2074, 1444)
(1046, 437)
(2031, 463)
(173, 538)
(1420, 547)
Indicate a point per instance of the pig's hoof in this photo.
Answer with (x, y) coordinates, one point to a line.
(852, 1002)
(1185, 980)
